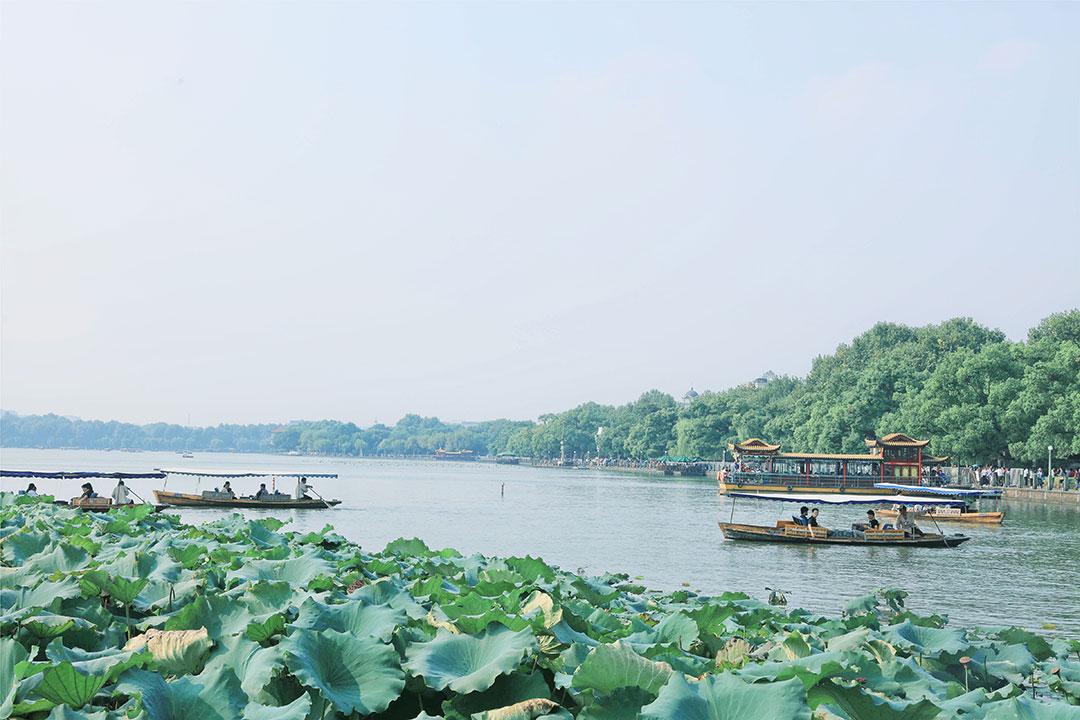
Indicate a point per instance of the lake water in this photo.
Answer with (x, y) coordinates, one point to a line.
(663, 530)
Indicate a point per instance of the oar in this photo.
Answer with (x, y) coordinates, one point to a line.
(137, 495)
(328, 506)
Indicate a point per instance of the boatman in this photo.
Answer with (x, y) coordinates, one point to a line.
(301, 489)
(120, 494)
(906, 523)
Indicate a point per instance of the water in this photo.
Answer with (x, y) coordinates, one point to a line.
(663, 530)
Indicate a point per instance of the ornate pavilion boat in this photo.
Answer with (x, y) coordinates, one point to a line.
(217, 499)
(761, 467)
(789, 531)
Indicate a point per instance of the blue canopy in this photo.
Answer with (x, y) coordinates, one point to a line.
(244, 473)
(846, 499)
(80, 474)
(942, 491)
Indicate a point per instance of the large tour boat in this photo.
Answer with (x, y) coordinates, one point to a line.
(761, 467)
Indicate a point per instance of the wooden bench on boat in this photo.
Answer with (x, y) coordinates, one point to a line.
(97, 503)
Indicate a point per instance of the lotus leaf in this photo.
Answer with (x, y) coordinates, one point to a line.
(466, 663)
(857, 704)
(610, 667)
(526, 710)
(254, 664)
(356, 674)
(206, 697)
(356, 617)
(1024, 708)
(298, 709)
(63, 684)
(726, 697)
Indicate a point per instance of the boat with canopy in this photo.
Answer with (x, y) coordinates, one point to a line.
(931, 507)
(789, 531)
(92, 503)
(216, 498)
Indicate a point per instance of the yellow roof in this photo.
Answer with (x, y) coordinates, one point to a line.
(897, 440)
(754, 445)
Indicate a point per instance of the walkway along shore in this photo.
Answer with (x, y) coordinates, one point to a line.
(1060, 497)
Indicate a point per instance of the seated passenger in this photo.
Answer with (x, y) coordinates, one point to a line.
(227, 489)
(262, 492)
(87, 491)
(870, 524)
(802, 518)
(812, 522)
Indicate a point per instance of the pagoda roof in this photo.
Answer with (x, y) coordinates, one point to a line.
(753, 446)
(896, 440)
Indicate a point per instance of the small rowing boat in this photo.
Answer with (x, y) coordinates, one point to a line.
(786, 531)
(790, 531)
(264, 499)
(274, 501)
(948, 514)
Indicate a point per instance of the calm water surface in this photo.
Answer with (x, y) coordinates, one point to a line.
(661, 529)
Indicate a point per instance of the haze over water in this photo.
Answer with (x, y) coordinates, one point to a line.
(662, 529)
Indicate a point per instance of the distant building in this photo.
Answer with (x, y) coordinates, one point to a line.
(764, 380)
(690, 394)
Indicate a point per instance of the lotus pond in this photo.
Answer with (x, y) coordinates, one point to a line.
(132, 614)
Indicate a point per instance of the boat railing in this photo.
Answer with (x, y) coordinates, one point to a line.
(817, 481)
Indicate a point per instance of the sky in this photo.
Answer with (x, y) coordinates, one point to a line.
(257, 212)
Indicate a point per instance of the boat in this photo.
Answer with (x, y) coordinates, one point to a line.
(216, 499)
(925, 497)
(788, 531)
(762, 467)
(458, 455)
(209, 498)
(95, 503)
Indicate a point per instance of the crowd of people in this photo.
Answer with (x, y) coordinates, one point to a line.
(904, 521)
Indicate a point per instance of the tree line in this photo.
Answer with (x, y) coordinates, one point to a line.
(978, 396)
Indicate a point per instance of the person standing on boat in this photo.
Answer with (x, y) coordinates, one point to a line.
(906, 522)
(301, 489)
(120, 494)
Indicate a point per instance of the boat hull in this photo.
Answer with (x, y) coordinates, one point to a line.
(981, 518)
(190, 500)
(761, 533)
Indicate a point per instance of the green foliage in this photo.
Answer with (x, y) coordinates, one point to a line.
(432, 633)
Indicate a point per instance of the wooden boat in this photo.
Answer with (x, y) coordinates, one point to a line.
(786, 531)
(955, 515)
(280, 501)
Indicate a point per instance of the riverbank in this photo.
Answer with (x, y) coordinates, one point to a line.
(1067, 498)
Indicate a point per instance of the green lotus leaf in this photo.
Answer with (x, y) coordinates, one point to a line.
(124, 590)
(11, 654)
(262, 632)
(857, 704)
(63, 684)
(926, 640)
(64, 712)
(208, 696)
(355, 617)
(110, 662)
(610, 667)
(810, 670)
(507, 690)
(298, 709)
(42, 595)
(622, 704)
(1012, 662)
(219, 614)
(64, 557)
(726, 697)
(1036, 644)
(19, 547)
(466, 663)
(254, 664)
(530, 568)
(47, 627)
(357, 674)
(1024, 708)
(295, 571)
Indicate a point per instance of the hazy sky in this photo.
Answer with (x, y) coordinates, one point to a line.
(247, 211)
